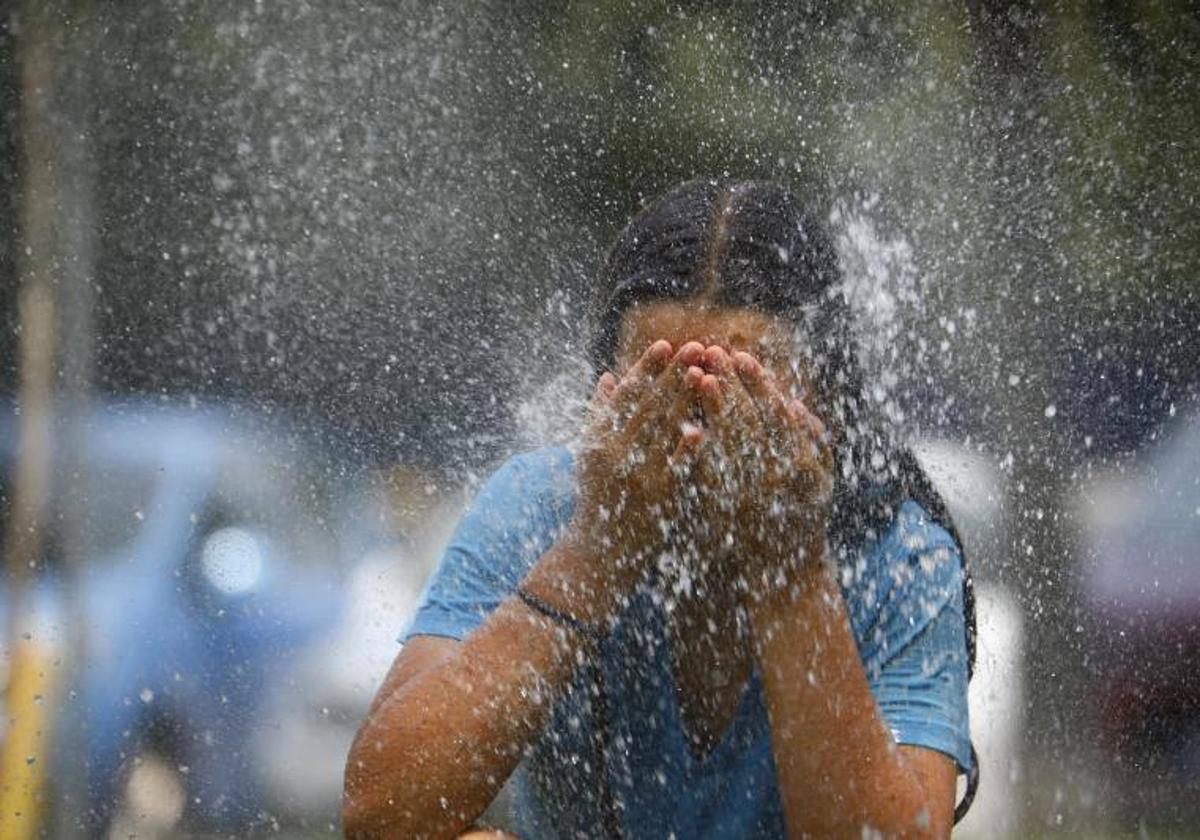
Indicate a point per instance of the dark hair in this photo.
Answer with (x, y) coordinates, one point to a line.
(753, 244)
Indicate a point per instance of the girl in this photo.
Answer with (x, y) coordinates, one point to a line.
(735, 609)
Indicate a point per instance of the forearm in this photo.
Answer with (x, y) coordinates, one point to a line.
(434, 754)
(839, 769)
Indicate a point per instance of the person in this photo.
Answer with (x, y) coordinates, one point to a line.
(728, 610)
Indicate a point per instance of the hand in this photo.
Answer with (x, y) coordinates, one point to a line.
(639, 442)
(766, 471)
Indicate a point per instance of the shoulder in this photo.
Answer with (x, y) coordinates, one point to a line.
(919, 545)
(539, 479)
(912, 541)
(546, 469)
(509, 523)
(895, 583)
(519, 509)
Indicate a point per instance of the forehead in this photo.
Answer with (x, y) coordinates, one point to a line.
(682, 321)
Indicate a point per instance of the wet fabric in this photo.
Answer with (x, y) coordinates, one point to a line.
(903, 594)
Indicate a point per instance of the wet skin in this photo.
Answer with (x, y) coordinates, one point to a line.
(685, 394)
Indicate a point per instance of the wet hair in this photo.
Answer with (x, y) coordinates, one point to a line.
(753, 244)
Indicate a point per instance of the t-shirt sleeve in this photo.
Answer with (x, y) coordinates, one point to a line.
(919, 673)
(508, 525)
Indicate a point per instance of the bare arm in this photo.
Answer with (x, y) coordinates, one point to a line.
(839, 768)
(451, 722)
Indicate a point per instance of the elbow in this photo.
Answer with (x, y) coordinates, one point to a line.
(360, 815)
(360, 819)
(367, 813)
(369, 807)
(377, 798)
(355, 822)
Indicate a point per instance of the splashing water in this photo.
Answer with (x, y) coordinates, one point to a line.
(882, 286)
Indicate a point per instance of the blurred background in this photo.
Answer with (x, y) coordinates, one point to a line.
(279, 282)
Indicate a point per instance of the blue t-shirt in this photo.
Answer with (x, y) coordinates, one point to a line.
(903, 594)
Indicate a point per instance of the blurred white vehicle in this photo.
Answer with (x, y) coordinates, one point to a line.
(973, 489)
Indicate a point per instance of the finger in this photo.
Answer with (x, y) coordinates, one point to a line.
(714, 408)
(599, 411)
(712, 399)
(812, 422)
(597, 417)
(653, 359)
(656, 426)
(715, 359)
(772, 405)
(690, 353)
(727, 411)
(686, 404)
(671, 380)
(814, 455)
(718, 366)
(753, 377)
(607, 384)
(644, 371)
(813, 429)
(743, 411)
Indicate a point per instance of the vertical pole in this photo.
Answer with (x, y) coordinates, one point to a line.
(31, 675)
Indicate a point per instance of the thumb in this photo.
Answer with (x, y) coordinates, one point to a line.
(602, 395)
(605, 386)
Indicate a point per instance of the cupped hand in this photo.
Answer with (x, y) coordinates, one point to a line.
(639, 442)
(765, 471)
